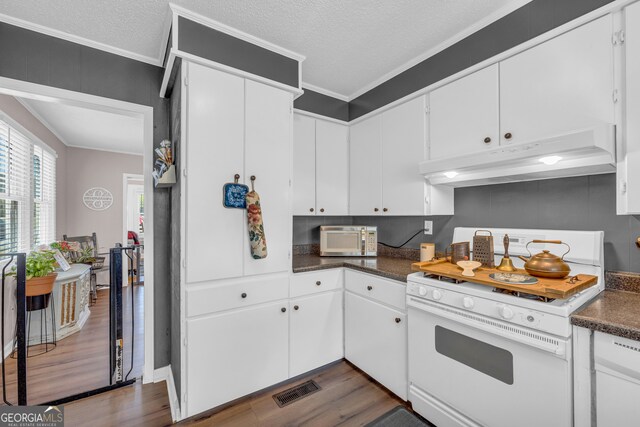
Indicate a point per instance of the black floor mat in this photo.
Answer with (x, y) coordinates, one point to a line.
(399, 417)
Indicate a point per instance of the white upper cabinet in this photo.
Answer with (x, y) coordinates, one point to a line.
(403, 142)
(560, 86)
(384, 157)
(320, 167)
(332, 168)
(268, 158)
(629, 156)
(365, 171)
(464, 115)
(214, 154)
(234, 126)
(304, 165)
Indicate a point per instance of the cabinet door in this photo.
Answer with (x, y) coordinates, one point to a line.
(376, 341)
(560, 86)
(365, 167)
(332, 168)
(268, 157)
(631, 157)
(316, 331)
(403, 147)
(214, 154)
(464, 115)
(304, 165)
(236, 353)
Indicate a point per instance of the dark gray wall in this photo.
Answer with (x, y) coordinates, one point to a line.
(322, 104)
(37, 58)
(211, 44)
(525, 23)
(175, 109)
(579, 203)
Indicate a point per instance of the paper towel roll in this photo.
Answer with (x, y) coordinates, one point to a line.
(427, 251)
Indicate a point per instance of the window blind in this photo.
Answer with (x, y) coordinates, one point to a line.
(27, 192)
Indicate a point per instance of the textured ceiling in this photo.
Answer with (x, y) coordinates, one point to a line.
(348, 44)
(86, 128)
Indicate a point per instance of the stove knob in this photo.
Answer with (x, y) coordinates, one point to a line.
(437, 294)
(422, 291)
(467, 302)
(506, 312)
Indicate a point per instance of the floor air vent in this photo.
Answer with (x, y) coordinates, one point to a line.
(296, 393)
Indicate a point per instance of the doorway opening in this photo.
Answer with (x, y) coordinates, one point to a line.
(82, 296)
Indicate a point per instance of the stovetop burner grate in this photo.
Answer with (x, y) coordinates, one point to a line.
(443, 278)
(523, 295)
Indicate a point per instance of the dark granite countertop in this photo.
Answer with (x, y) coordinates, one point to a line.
(613, 312)
(389, 267)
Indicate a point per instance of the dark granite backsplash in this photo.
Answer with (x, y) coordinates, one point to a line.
(622, 281)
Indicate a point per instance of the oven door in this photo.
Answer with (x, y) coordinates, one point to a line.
(467, 370)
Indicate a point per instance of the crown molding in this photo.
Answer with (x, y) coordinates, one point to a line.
(79, 40)
(326, 92)
(500, 13)
(211, 23)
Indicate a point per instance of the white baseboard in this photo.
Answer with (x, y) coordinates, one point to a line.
(165, 374)
(8, 348)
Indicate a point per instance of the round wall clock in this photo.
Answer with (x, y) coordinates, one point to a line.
(97, 198)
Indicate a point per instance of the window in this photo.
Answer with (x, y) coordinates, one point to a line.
(27, 192)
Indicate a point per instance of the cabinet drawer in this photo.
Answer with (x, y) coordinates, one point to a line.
(385, 291)
(236, 294)
(315, 281)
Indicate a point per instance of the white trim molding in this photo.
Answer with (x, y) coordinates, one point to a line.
(165, 374)
(219, 26)
(325, 92)
(79, 40)
(320, 117)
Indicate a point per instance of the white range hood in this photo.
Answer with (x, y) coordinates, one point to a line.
(585, 152)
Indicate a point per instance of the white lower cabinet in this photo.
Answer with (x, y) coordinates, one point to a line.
(235, 353)
(376, 341)
(316, 337)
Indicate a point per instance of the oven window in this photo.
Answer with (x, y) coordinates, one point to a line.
(486, 358)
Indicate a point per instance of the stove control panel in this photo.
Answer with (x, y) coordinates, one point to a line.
(507, 312)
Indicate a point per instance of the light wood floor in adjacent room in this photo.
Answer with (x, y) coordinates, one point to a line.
(80, 362)
(348, 398)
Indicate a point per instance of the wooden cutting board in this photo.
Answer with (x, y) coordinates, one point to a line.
(549, 288)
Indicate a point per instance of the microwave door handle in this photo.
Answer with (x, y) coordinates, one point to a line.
(363, 243)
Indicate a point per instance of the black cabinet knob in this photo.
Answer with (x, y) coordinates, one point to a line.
(283, 309)
(321, 209)
(376, 209)
(243, 295)
(508, 135)
(369, 287)
(318, 283)
(295, 307)
(310, 209)
(487, 140)
(398, 320)
(385, 210)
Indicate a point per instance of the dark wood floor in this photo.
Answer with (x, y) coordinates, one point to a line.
(80, 362)
(348, 398)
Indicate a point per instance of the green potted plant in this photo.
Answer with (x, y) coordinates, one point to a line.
(41, 275)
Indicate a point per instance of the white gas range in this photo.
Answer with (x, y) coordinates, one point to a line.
(479, 357)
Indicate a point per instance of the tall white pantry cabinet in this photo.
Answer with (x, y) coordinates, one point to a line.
(235, 329)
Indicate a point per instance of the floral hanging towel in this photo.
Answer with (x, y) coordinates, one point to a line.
(256, 228)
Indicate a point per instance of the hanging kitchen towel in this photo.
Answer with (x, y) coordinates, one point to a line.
(257, 239)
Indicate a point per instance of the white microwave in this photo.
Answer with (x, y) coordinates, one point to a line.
(348, 240)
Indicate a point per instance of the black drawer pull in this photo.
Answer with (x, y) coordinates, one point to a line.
(244, 295)
(398, 320)
(318, 283)
(369, 287)
(283, 309)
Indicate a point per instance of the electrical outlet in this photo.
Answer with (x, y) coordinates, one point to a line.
(428, 227)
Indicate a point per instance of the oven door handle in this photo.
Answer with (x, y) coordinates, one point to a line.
(539, 340)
